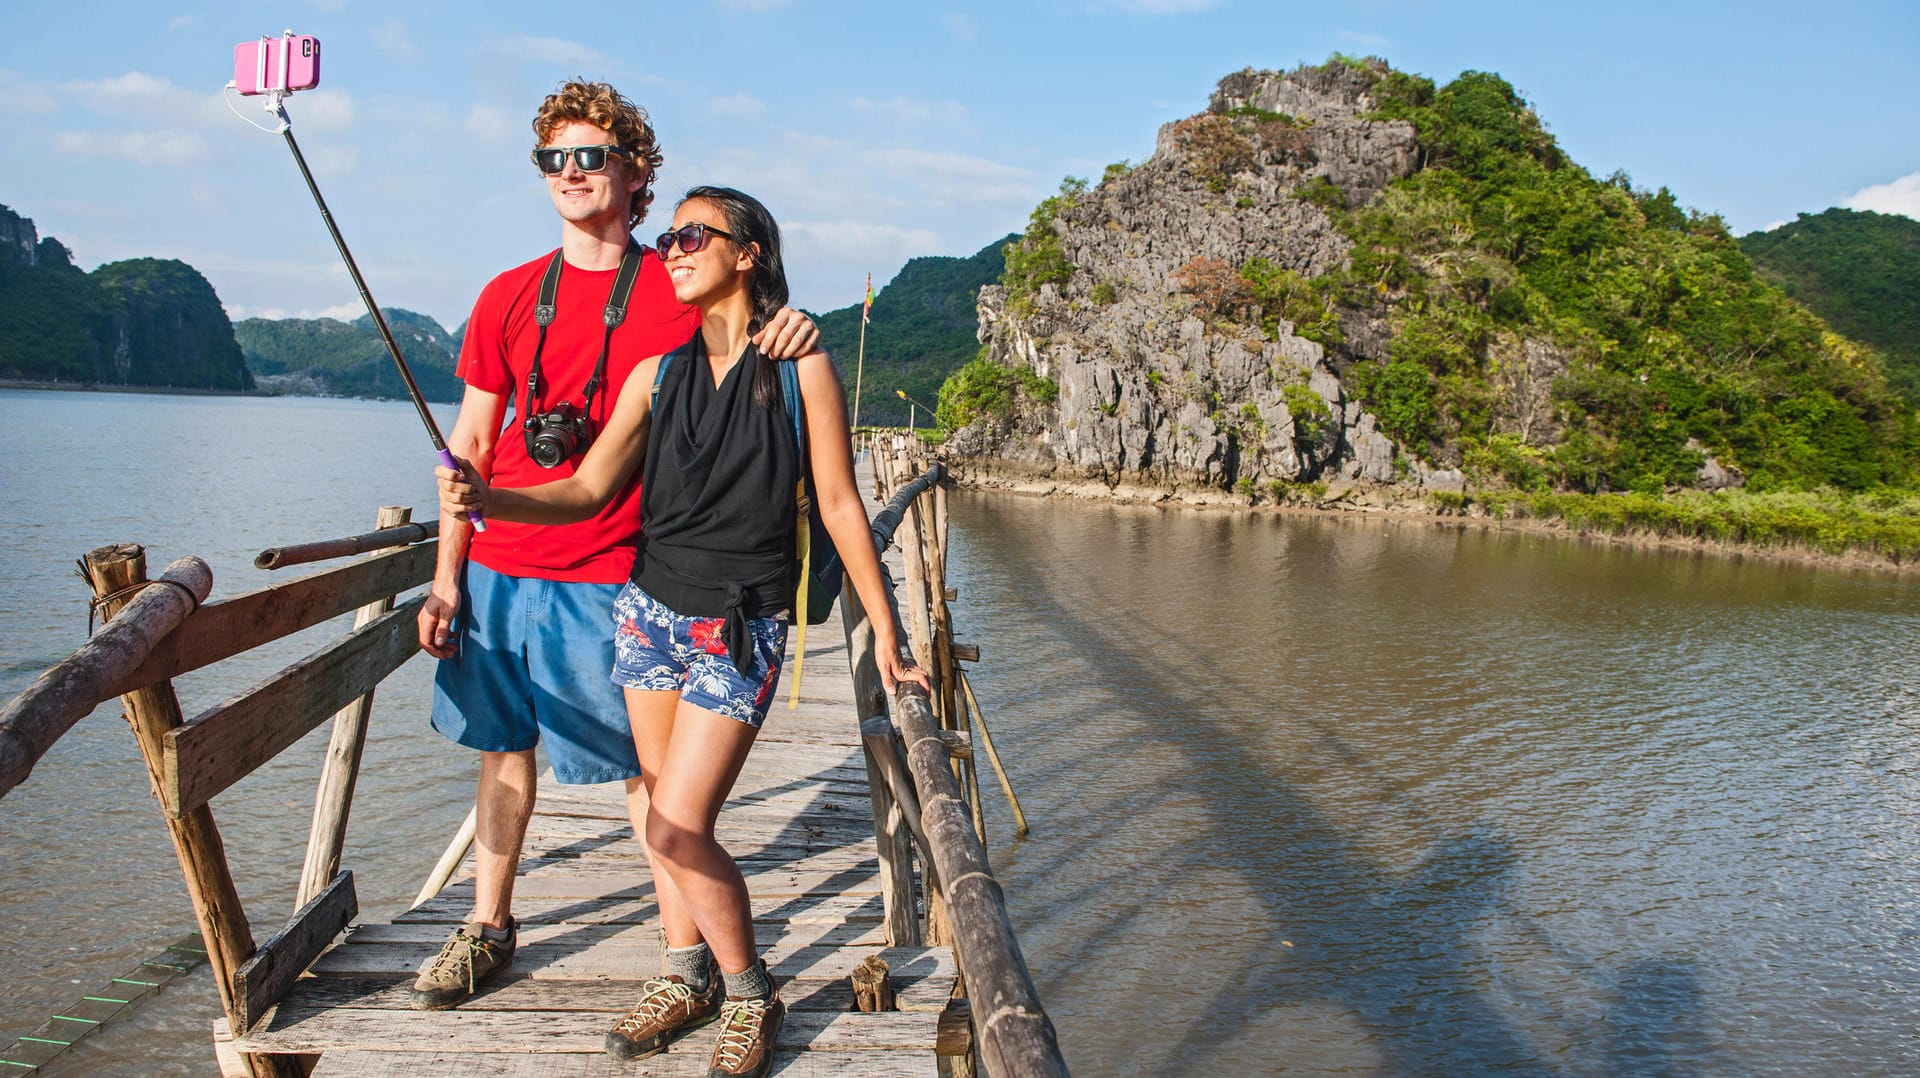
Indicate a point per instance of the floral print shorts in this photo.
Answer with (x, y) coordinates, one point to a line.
(655, 648)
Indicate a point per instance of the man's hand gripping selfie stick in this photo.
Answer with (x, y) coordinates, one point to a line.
(272, 79)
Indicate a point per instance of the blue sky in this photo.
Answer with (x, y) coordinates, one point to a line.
(875, 132)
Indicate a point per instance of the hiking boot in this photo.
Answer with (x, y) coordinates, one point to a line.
(667, 1007)
(465, 960)
(748, 1028)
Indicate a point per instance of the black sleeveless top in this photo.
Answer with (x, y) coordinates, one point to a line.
(717, 489)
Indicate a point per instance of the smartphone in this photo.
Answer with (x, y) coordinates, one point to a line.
(286, 63)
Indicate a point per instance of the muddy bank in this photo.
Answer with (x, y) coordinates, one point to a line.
(1373, 501)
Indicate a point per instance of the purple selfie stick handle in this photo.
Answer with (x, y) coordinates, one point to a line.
(473, 515)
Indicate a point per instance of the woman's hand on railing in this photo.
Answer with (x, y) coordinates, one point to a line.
(894, 669)
(462, 490)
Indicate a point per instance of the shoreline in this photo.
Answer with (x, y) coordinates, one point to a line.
(1350, 501)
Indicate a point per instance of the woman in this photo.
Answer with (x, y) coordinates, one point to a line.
(699, 634)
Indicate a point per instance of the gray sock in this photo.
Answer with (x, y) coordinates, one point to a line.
(749, 983)
(497, 935)
(692, 965)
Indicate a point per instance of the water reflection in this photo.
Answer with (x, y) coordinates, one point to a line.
(1365, 797)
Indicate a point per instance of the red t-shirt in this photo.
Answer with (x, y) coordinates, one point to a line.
(496, 356)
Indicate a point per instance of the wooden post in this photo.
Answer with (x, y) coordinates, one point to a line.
(153, 711)
(872, 990)
(456, 852)
(334, 800)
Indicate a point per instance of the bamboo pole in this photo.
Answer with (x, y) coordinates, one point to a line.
(334, 800)
(450, 860)
(890, 833)
(152, 712)
(1016, 1036)
(385, 537)
(67, 693)
(986, 741)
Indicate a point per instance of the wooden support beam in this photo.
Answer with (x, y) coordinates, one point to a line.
(872, 990)
(333, 801)
(386, 537)
(152, 711)
(225, 744)
(225, 629)
(890, 819)
(263, 979)
(965, 653)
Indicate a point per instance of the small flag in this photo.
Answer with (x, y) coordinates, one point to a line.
(866, 312)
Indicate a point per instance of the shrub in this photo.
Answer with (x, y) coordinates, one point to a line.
(1322, 192)
(1282, 293)
(1103, 293)
(1038, 257)
(984, 389)
(1308, 409)
(1216, 289)
(1214, 148)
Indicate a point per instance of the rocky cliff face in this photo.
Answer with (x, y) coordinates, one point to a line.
(1154, 391)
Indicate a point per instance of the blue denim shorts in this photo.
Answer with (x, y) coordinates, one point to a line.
(658, 649)
(528, 668)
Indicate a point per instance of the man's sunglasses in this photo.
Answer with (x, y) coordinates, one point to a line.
(690, 237)
(552, 160)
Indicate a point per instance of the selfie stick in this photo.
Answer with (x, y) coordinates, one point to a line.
(276, 104)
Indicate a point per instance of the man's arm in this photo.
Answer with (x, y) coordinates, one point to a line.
(472, 440)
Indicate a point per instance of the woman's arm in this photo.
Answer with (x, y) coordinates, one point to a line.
(845, 517)
(612, 457)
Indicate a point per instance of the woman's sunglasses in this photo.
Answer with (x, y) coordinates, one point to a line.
(552, 160)
(690, 237)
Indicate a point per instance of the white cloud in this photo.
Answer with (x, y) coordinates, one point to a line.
(852, 240)
(738, 106)
(905, 110)
(1902, 196)
(324, 110)
(753, 5)
(140, 147)
(391, 38)
(495, 125)
(180, 22)
(574, 57)
(962, 27)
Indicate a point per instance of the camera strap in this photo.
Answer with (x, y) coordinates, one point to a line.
(615, 312)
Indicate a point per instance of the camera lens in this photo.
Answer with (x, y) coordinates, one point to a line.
(552, 444)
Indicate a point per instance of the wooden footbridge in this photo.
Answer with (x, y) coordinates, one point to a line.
(854, 822)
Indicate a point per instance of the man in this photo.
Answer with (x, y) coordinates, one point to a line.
(521, 615)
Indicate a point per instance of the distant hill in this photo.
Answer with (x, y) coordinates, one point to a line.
(330, 358)
(924, 328)
(1860, 271)
(144, 322)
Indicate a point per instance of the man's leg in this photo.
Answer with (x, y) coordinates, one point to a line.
(502, 806)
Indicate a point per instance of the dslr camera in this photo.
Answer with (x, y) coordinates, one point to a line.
(556, 435)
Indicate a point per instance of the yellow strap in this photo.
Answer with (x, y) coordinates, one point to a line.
(803, 541)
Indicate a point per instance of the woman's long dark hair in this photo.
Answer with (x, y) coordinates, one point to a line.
(751, 224)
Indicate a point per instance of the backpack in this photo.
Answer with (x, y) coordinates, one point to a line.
(820, 573)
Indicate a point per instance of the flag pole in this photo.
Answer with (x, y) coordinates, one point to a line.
(860, 366)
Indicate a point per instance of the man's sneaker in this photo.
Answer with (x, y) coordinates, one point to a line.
(667, 1007)
(465, 960)
(748, 1028)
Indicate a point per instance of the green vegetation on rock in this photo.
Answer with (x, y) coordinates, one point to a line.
(984, 389)
(328, 357)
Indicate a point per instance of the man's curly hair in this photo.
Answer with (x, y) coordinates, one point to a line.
(602, 106)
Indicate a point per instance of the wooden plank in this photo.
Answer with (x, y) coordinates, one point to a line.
(226, 743)
(510, 992)
(300, 1030)
(768, 933)
(684, 1063)
(625, 960)
(225, 629)
(264, 978)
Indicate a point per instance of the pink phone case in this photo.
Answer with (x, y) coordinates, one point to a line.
(276, 63)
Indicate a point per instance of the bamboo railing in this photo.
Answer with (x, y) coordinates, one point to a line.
(924, 783)
(158, 629)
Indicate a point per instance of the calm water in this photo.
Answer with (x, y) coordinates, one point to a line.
(1322, 795)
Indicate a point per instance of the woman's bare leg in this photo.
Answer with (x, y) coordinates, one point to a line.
(651, 715)
(704, 753)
